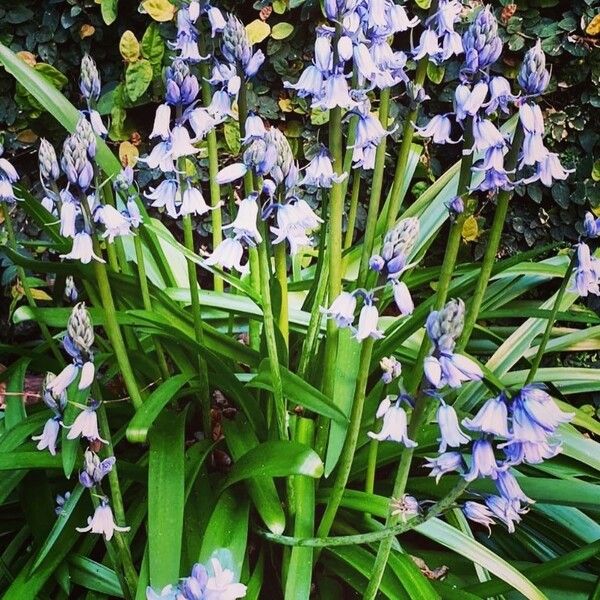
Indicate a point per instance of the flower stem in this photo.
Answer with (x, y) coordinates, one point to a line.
(352, 212)
(493, 242)
(270, 337)
(551, 319)
(375, 197)
(216, 216)
(281, 274)
(188, 240)
(12, 244)
(141, 264)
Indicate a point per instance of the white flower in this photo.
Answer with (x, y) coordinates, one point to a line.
(201, 122)
(97, 125)
(342, 309)
(162, 121)
(102, 522)
(49, 436)
(290, 227)
(395, 426)
(244, 223)
(193, 202)
(83, 249)
(228, 255)
(87, 375)
(85, 425)
(402, 298)
(231, 173)
(181, 144)
(116, 224)
(367, 323)
(221, 584)
(63, 380)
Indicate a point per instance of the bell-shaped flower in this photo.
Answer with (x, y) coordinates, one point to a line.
(540, 407)
(500, 95)
(335, 93)
(69, 211)
(485, 135)
(310, 83)
(451, 434)
(532, 453)
(116, 224)
(290, 227)
(63, 380)
(504, 510)
(444, 463)
(181, 144)
(94, 469)
(319, 171)
(395, 425)
(161, 157)
(367, 324)
(342, 309)
(216, 20)
(253, 65)
(87, 375)
(591, 225)
(102, 522)
(231, 173)
(468, 102)
(82, 249)
(483, 461)
(491, 418)
(97, 124)
(49, 436)
(587, 273)
(254, 127)
(438, 129)
(201, 122)
(193, 202)
(85, 425)
(428, 45)
(548, 170)
(165, 196)
(509, 488)
(162, 122)
(221, 583)
(245, 222)
(8, 171)
(402, 297)
(323, 54)
(479, 513)
(228, 255)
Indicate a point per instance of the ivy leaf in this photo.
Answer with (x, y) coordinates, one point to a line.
(257, 31)
(129, 47)
(159, 10)
(137, 78)
(282, 30)
(435, 73)
(593, 27)
(108, 8)
(153, 48)
(232, 136)
(470, 229)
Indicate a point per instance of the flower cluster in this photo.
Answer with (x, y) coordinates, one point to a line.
(214, 581)
(444, 366)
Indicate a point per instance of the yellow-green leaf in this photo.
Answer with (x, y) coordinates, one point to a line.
(279, 6)
(281, 31)
(129, 47)
(108, 8)
(257, 31)
(40, 295)
(470, 229)
(128, 154)
(137, 78)
(159, 10)
(593, 27)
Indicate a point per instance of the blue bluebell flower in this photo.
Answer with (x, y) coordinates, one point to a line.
(342, 309)
(336, 92)
(456, 207)
(319, 171)
(591, 225)
(116, 224)
(428, 46)
(540, 407)
(367, 323)
(500, 95)
(75, 163)
(228, 255)
(237, 49)
(254, 127)
(405, 508)
(402, 298)
(165, 195)
(245, 222)
(85, 425)
(82, 249)
(94, 469)
(451, 434)
(439, 129)
(491, 418)
(479, 513)
(395, 423)
(509, 488)
(231, 173)
(49, 435)
(102, 522)
(192, 201)
(48, 163)
(467, 101)
(533, 76)
(310, 82)
(291, 227)
(216, 19)
(89, 79)
(533, 149)
(548, 170)
(444, 463)
(587, 272)
(481, 42)
(483, 461)
(505, 511)
(444, 367)
(532, 453)
(8, 176)
(486, 135)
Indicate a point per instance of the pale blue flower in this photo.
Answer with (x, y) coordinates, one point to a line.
(479, 513)
(367, 323)
(161, 157)
(245, 223)
(509, 488)
(116, 224)
(49, 435)
(540, 407)
(192, 202)
(533, 76)
(231, 173)
(500, 95)
(483, 461)
(438, 128)
(548, 170)
(167, 593)
(587, 273)
(228, 255)
(504, 510)
(391, 369)
(221, 583)
(85, 425)
(165, 196)
(591, 225)
(428, 45)
(467, 101)
(402, 298)
(335, 93)
(451, 434)
(103, 522)
(342, 309)
(310, 83)
(319, 171)
(444, 463)
(82, 249)
(395, 426)
(532, 453)
(254, 127)
(162, 122)
(533, 149)
(486, 135)
(491, 418)
(94, 469)
(216, 19)
(481, 42)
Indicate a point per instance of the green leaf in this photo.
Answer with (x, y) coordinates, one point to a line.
(231, 131)
(28, 460)
(15, 405)
(94, 576)
(281, 31)
(166, 498)
(276, 459)
(153, 48)
(143, 419)
(435, 73)
(298, 391)
(137, 78)
(228, 529)
(108, 8)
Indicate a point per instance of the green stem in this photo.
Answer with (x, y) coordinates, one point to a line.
(352, 213)
(216, 216)
(12, 244)
(371, 468)
(373, 536)
(535, 364)
(281, 274)
(349, 448)
(375, 197)
(408, 132)
(493, 242)
(141, 264)
(188, 240)
(118, 507)
(270, 337)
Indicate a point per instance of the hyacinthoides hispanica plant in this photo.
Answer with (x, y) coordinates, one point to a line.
(360, 362)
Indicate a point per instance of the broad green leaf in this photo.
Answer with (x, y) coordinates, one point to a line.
(137, 78)
(29, 460)
(281, 30)
(23, 431)
(153, 47)
(166, 498)
(94, 576)
(228, 529)
(108, 8)
(299, 392)
(276, 459)
(143, 419)
(15, 402)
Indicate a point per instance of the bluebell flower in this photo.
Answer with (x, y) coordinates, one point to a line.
(181, 144)
(364, 61)
(500, 95)
(161, 157)
(49, 435)
(69, 212)
(231, 173)
(310, 83)
(587, 273)
(494, 180)
(428, 45)
(524, 427)
(532, 120)
(451, 434)
(540, 407)
(483, 461)
(94, 469)
(216, 19)
(390, 369)
(89, 79)
(448, 368)
(70, 293)
(509, 488)
(467, 101)
(491, 418)
(402, 297)
(116, 224)
(323, 54)
(532, 453)
(591, 225)
(165, 195)
(342, 309)
(221, 583)
(254, 127)
(228, 255)
(245, 222)
(444, 463)
(290, 227)
(319, 171)
(448, 321)
(102, 522)
(398, 244)
(237, 49)
(82, 249)
(479, 513)
(85, 425)
(261, 156)
(399, 20)
(75, 163)
(336, 92)
(48, 163)
(438, 129)
(192, 202)
(405, 508)
(367, 323)
(456, 207)
(504, 510)
(486, 135)
(533, 76)
(548, 170)
(201, 122)
(395, 426)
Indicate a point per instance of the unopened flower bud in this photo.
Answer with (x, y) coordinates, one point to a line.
(80, 328)
(456, 206)
(481, 42)
(48, 163)
(75, 163)
(391, 369)
(94, 469)
(398, 244)
(236, 46)
(86, 133)
(533, 76)
(376, 263)
(89, 81)
(70, 293)
(55, 402)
